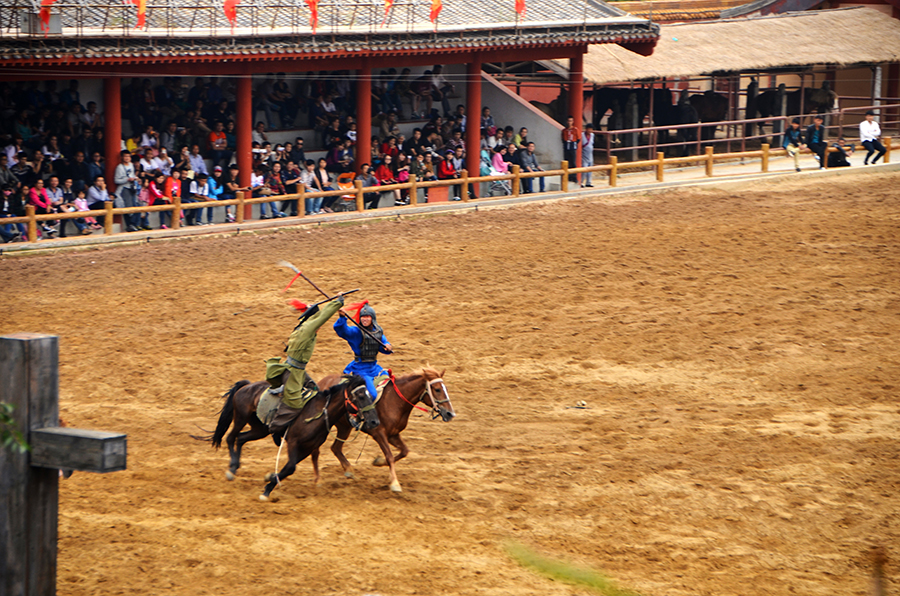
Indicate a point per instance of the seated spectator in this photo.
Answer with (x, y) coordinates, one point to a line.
(521, 138)
(80, 172)
(173, 189)
(11, 206)
(51, 149)
(97, 195)
(198, 192)
(487, 121)
(37, 197)
(423, 88)
(157, 190)
(23, 171)
(296, 153)
(259, 133)
(291, 177)
(218, 144)
(370, 199)
(324, 180)
(447, 171)
(232, 187)
(441, 88)
(196, 161)
(839, 157)
(149, 165)
(528, 162)
(310, 183)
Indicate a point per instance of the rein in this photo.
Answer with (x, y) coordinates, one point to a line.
(434, 410)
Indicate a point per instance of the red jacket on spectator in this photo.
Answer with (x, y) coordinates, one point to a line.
(39, 198)
(173, 188)
(384, 174)
(446, 170)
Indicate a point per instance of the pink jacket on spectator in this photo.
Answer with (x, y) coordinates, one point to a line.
(498, 163)
(39, 199)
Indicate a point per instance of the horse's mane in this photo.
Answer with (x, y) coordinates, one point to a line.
(428, 372)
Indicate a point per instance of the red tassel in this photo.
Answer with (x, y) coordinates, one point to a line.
(296, 277)
(298, 305)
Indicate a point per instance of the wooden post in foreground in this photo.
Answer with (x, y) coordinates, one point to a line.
(886, 141)
(360, 204)
(239, 210)
(765, 157)
(709, 161)
(564, 179)
(660, 164)
(464, 176)
(413, 190)
(516, 181)
(108, 218)
(29, 482)
(613, 170)
(32, 223)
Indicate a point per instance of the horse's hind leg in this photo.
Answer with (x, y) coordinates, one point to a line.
(343, 431)
(314, 456)
(257, 431)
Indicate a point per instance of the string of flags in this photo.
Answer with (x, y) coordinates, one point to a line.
(229, 7)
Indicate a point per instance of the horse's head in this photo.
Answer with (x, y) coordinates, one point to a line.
(360, 406)
(436, 395)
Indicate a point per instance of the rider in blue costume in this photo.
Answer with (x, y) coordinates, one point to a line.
(365, 349)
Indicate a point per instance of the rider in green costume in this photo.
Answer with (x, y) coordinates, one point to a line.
(299, 388)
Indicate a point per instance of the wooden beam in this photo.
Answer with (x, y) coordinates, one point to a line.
(78, 449)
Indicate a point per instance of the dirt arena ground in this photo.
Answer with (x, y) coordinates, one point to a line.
(737, 349)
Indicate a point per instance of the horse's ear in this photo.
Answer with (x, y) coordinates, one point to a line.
(442, 373)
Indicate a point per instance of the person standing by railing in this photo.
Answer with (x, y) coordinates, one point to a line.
(869, 131)
(793, 142)
(587, 154)
(127, 188)
(571, 136)
(815, 139)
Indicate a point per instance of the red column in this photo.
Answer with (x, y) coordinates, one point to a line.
(473, 119)
(112, 131)
(576, 95)
(363, 114)
(244, 140)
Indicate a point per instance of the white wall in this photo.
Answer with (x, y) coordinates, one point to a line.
(508, 109)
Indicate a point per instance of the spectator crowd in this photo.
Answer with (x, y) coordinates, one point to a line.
(182, 145)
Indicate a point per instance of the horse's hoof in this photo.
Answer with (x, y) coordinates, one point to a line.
(264, 498)
(349, 474)
(379, 461)
(395, 487)
(229, 475)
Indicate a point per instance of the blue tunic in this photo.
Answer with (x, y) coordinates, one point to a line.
(367, 370)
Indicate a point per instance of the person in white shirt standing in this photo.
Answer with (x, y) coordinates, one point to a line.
(587, 154)
(869, 131)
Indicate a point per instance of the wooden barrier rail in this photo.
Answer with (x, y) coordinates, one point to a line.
(358, 192)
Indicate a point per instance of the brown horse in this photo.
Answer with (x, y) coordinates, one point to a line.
(305, 435)
(394, 407)
(238, 411)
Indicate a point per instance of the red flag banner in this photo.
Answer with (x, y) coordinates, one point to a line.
(231, 12)
(436, 7)
(520, 7)
(313, 14)
(142, 11)
(353, 309)
(387, 9)
(45, 15)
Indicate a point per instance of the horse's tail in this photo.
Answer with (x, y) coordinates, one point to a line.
(226, 415)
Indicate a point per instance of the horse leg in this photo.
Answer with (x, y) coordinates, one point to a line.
(314, 456)
(294, 457)
(343, 431)
(257, 431)
(397, 442)
(380, 437)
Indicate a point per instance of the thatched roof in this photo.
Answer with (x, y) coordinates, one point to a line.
(840, 37)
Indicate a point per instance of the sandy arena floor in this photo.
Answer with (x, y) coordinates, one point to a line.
(737, 348)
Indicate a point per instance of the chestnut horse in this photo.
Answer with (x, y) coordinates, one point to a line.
(394, 407)
(238, 411)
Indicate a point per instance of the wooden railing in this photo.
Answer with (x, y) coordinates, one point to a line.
(358, 192)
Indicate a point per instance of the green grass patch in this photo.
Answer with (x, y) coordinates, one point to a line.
(565, 572)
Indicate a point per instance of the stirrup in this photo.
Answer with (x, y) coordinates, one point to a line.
(276, 390)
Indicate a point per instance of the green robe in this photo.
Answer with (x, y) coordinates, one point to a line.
(300, 347)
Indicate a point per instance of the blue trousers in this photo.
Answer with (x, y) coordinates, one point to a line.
(368, 371)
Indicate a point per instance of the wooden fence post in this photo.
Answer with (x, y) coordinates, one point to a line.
(765, 157)
(239, 209)
(301, 199)
(614, 170)
(564, 179)
(108, 219)
(29, 482)
(32, 223)
(360, 203)
(887, 150)
(176, 213)
(709, 160)
(660, 164)
(414, 190)
(464, 176)
(516, 181)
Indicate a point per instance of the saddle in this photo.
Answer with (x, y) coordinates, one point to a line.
(277, 415)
